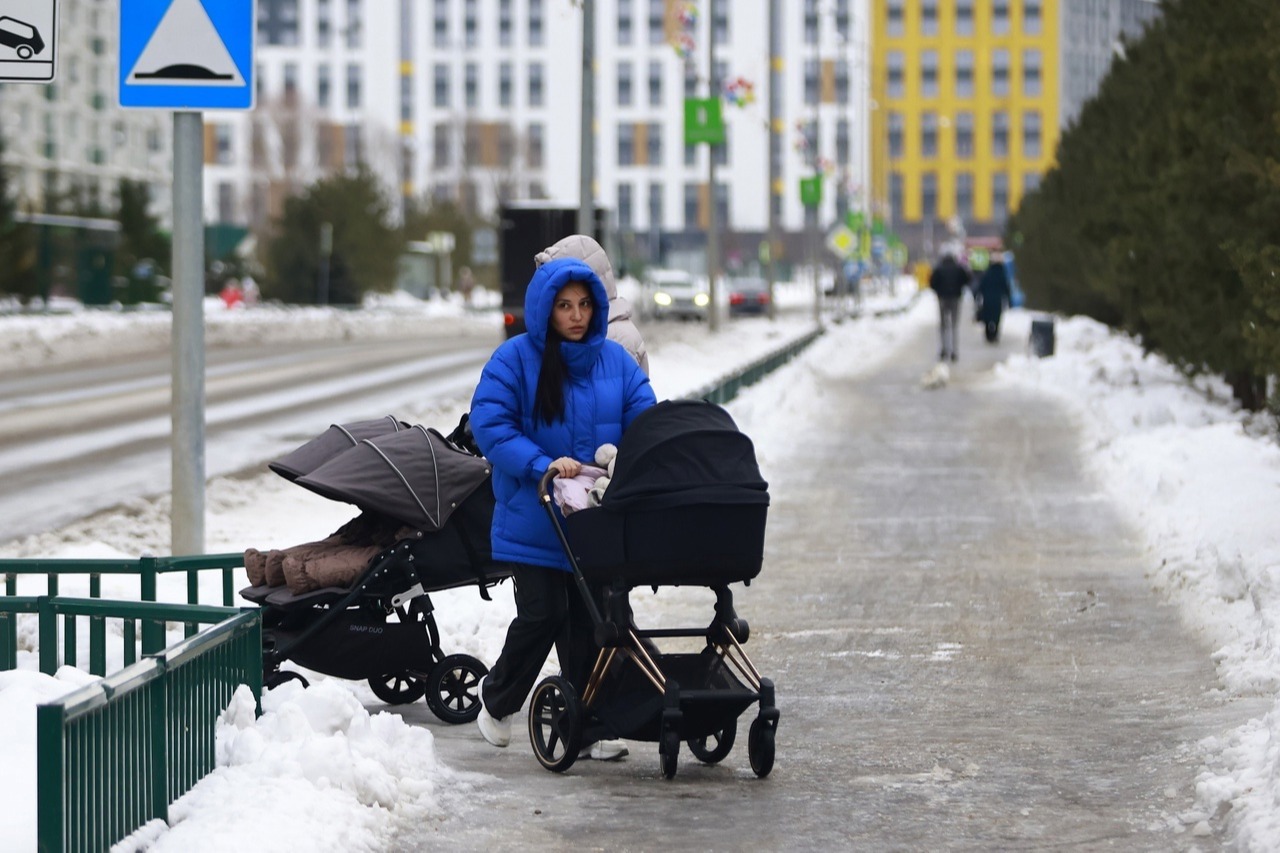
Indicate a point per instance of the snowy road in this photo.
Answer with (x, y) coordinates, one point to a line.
(76, 440)
(966, 652)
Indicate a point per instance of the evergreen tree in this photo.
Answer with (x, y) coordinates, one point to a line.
(17, 248)
(366, 246)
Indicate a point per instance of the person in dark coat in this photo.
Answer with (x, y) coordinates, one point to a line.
(949, 280)
(547, 400)
(995, 292)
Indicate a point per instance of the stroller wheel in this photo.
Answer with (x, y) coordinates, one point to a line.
(398, 688)
(669, 753)
(714, 747)
(453, 688)
(555, 723)
(760, 746)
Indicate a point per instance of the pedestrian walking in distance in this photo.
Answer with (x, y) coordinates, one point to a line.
(949, 281)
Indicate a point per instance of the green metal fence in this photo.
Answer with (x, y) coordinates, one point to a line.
(148, 570)
(726, 388)
(113, 754)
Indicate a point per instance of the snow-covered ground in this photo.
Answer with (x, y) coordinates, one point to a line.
(317, 770)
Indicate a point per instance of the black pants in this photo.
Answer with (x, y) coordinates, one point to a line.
(549, 611)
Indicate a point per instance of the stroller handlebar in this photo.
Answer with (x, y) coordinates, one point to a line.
(544, 484)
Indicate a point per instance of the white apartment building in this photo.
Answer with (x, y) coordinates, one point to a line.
(479, 101)
(69, 138)
(1091, 38)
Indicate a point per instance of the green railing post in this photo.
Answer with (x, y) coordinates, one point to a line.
(48, 633)
(159, 694)
(152, 630)
(50, 818)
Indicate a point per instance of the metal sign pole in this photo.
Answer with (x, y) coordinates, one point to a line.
(187, 400)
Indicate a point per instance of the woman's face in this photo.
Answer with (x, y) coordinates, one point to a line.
(571, 312)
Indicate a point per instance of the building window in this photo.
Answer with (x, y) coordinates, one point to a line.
(626, 144)
(624, 22)
(657, 22)
(690, 81)
(842, 81)
(625, 204)
(471, 85)
(353, 86)
(964, 135)
(440, 85)
(226, 201)
(655, 209)
(536, 138)
(504, 23)
(470, 24)
(929, 195)
(353, 146)
(928, 134)
(1032, 17)
(999, 196)
(896, 74)
(896, 194)
(355, 24)
(655, 84)
(896, 15)
(720, 21)
(504, 84)
(842, 142)
(929, 17)
(324, 23)
(964, 17)
(624, 84)
(691, 195)
(440, 146)
(691, 155)
(896, 128)
(964, 195)
(844, 17)
(535, 84)
(278, 22)
(535, 23)
(1030, 182)
(222, 144)
(653, 144)
(440, 23)
(964, 73)
(1031, 72)
(810, 21)
(812, 73)
(1000, 72)
(1000, 134)
(406, 97)
(1031, 134)
(929, 73)
(723, 209)
(1000, 17)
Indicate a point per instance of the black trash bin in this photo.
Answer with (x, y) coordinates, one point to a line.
(1042, 337)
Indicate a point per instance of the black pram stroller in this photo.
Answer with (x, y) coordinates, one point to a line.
(438, 499)
(686, 506)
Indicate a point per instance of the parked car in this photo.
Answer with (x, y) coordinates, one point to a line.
(675, 294)
(748, 296)
(23, 38)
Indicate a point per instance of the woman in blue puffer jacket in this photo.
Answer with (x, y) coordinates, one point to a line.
(547, 399)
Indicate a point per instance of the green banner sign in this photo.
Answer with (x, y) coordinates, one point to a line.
(703, 121)
(811, 191)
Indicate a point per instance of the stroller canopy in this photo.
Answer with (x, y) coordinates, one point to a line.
(415, 476)
(329, 444)
(683, 452)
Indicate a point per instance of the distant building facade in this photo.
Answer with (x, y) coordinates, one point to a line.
(970, 99)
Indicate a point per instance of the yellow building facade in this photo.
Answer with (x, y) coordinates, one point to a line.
(965, 110)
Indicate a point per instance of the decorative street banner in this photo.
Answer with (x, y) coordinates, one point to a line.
(703, 121)
(811, 191)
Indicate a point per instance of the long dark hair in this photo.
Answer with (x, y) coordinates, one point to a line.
(548, 401)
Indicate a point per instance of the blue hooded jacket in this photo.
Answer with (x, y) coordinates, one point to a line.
(604, 391)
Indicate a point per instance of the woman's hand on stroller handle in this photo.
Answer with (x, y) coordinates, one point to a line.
(562, 467)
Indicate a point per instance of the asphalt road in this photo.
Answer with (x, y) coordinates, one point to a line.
(966, 652)
(78, 439)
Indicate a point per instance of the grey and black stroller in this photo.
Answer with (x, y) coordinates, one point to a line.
(428, 502)
(686, 507)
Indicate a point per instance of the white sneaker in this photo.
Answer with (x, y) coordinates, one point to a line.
(496, 731)
(605, 750)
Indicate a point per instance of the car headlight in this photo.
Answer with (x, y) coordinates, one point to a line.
(702, 300)
(663, 299)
